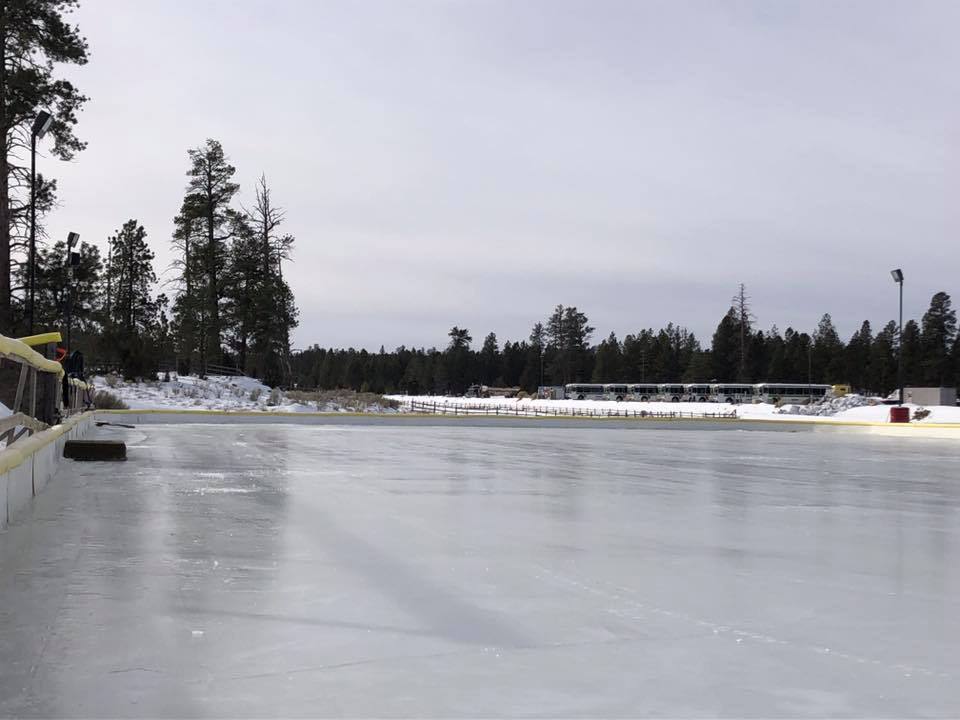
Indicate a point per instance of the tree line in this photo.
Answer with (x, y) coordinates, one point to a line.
(558, 351)
(231, 305)
(226, 302)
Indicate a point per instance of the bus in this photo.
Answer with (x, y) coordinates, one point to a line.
(671, 393)
(793, 393)
(732, 392)
(694, 392)
(579, 391)
(644, 392)
(615, 392)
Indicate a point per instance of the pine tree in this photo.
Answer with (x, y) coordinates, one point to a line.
(828, 363)
(574, 349)
(532, 376)
(489, 360)
(33, 36)
(607, 368)
(203, 231)
(912, 354)
(637, 351)
(938, 330)
(242, 293)
(275, 310)
(455, 370)
(52, 281)
(882, 375)
(134, 314)
(857, 357)
(775, 370)
(744, 320)
(724, 349)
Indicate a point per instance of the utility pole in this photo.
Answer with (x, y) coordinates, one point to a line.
(898, 279)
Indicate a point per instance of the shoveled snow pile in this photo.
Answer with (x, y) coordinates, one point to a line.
(221, 392)
(828, 407)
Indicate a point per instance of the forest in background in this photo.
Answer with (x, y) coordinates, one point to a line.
(559, 351)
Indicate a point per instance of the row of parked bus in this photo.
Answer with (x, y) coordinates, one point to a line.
(701, 392)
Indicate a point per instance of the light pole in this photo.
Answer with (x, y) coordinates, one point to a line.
(73, 259)
(898, 279)
(40, 127)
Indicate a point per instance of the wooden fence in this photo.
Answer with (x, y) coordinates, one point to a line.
(518, 410)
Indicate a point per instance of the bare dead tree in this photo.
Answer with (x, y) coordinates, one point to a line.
(741, 306)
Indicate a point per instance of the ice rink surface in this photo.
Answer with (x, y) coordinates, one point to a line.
(478, 571)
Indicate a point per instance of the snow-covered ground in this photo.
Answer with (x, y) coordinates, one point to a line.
(853, 407)
(221, 392)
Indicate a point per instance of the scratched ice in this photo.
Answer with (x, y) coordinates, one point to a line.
(370, 570)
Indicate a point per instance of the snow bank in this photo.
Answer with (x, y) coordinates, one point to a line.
(848, 408)
(220, 392)
(830, 406)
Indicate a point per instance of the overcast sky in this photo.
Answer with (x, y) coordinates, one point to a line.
(476, 163)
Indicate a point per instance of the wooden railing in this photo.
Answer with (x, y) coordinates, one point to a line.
(37, 401)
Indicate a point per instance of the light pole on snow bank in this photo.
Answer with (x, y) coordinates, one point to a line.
(40, 126)
(898, 279)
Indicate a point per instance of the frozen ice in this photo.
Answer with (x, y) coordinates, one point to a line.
(488, 571)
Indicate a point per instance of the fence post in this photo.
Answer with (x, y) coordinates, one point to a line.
(21, 384)
(33, 392)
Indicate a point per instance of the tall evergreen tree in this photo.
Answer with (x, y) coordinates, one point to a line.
(34, 35)
(744, 321)
(203, 230)
(724, 349)
(53, 281)
(275, 313)
(607, 368)
(134, 313)
(857, 357)
(912, 354)
(938, 330)
(882, 375)
(828, 361)
(454, 372)
(776, 357)
(490, 360)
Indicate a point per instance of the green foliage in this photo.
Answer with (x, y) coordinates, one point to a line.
(36, 35)
(671, 354)
(938, 331)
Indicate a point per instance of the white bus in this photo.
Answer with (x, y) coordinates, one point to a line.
(732, 392)
(616, 392)
(581, 391)
(696, 392)
(644, 392)
(671, 393)
(793, 393)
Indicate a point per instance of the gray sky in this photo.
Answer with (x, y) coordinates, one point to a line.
(476, 163)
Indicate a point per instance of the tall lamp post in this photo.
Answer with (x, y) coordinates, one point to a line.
(73, 259)
(898, 279)
(40, 126)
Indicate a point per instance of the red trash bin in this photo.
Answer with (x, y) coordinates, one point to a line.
(899, 414)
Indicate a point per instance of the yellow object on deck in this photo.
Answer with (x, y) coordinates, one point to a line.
(41, 339)
(19, 351)
(840, 390)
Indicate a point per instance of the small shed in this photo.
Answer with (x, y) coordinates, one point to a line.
(930, 396)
